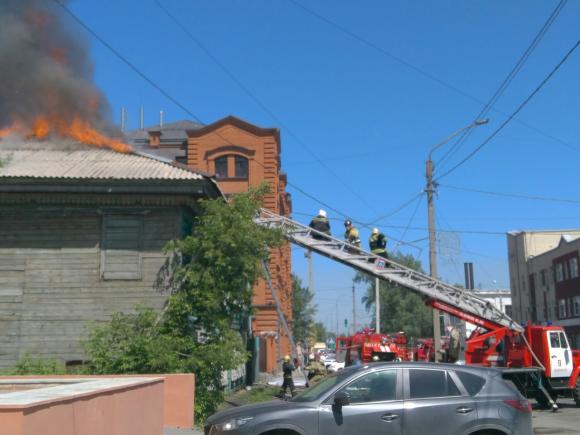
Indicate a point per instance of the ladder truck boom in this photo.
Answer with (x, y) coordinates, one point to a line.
(459, 300)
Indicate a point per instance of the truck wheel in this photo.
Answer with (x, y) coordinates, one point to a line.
(576, 392)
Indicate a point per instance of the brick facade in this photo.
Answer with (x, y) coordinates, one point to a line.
(241, 155)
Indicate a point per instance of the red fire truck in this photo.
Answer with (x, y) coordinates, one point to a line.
(368, 346)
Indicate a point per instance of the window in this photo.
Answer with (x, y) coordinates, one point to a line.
(472, 383)
(569, 309)
(563, 341)
(543, 277)
(374, 387)
(221, 167)
(431, 383)
(508, 310)
(562, 308)
(241, 165)
(121, 248)
(573, 267)
(554, 340)
(577, 305)
(559, 272)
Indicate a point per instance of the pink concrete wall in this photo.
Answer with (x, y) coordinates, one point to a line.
(122, 411)
(179, 400)
(178, 396)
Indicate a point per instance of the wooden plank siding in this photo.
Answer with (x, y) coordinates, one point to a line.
(51, 282)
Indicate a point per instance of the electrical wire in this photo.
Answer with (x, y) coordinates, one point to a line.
(420, 71)
(512, 116)
(512, 195)
(410, 221)
(259, 102)
(505, 83)
(398, 209)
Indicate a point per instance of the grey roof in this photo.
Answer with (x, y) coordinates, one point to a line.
(172, 131)
(89, 163)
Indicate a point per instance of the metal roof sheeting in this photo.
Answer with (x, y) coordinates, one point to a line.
(97, 164)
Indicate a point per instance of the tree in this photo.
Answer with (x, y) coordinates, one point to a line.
(214, 271)
(303, 311)
(401, 309)
(320, 332)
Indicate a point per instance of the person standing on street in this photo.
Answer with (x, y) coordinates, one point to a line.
(288, 382)
(320, 223)
(378, 243)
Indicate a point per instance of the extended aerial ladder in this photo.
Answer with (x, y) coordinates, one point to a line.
(522, 364)
(440, 295)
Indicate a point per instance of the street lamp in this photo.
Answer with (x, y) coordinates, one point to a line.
(430, 190)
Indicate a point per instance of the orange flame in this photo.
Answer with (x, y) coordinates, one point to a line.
(77, 129)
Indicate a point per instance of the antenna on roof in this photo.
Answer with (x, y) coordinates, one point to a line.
(141, 118)
(161, 119)
(123, 119)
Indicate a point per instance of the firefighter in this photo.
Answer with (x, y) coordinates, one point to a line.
(351, 233)
(378, 243)
(320, 223)
(287, 369)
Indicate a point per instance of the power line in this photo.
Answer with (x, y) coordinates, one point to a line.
(507, 80)
(418, 70)
(511, 117)
(410, 220)
(512, 195)
(258, 101)
(168, 96)
(398, 209)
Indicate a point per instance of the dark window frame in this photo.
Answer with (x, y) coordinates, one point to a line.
(219, 161)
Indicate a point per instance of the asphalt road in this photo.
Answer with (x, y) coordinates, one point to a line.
(565, 422)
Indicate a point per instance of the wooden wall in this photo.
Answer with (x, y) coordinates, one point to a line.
(51, 287)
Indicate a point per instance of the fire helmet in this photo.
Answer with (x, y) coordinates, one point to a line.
(287, 358)
(347, 223)
(322, 213)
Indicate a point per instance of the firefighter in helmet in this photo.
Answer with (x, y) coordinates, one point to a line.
(320, 223)
(378, 243)
(351, 233)
(287, 369)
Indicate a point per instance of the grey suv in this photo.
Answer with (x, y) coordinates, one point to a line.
(390, 399)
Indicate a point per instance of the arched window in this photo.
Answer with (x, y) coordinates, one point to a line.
(221, 167)
(232, 166)
(241, 166)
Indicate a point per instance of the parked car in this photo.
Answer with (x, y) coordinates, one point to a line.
(390, 399)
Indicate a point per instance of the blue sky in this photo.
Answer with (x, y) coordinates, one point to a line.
(370, 119)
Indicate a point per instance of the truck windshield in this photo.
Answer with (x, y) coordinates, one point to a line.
(324, 386)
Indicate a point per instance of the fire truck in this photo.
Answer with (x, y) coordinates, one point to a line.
(538, 359)
(368, 346)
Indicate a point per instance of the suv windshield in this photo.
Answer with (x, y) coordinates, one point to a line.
(325, 385)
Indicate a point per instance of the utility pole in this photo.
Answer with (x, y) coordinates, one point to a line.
(433, 253)
(377, 307)
(353, 310)
(430, 189)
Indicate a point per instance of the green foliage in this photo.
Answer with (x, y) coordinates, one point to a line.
(303, 311)
(320, 332)
(29, 365)
(401, 309)
(217, 268)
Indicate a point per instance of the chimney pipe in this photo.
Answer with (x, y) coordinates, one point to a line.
(469, 280)
(161, 119)
(141, 118)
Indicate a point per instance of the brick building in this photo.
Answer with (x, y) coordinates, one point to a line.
(240, 155)
(545, 278)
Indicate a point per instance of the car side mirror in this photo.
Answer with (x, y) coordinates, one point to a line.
(341, 398)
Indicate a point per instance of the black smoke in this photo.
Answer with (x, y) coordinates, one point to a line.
(45, 69)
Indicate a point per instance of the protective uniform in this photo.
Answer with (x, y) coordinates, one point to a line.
(351, 234)
(287, 369)
(378, 243)
(320, 223)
